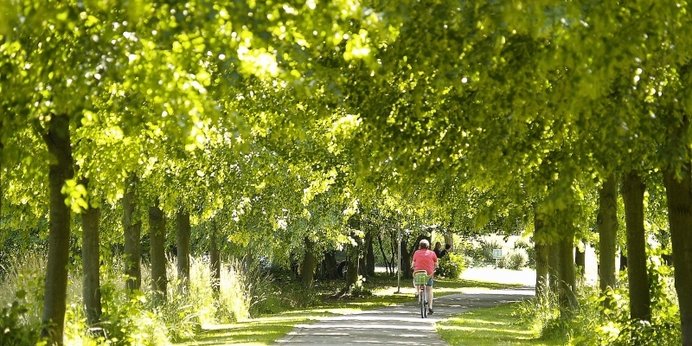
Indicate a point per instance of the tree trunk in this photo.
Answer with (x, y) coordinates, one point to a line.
(679, 195)
(58, 142)
(580, 259)
(2, 193)
(369, 256)
(541, 268)
(394, 247)
(541, 258)
(329, 266)
(623, 261)
(91, 290)
(633, 196)
(182, 240)
(607, 224)
(157, 250)
(387, 262)
(133, 232)
(567, 275)
(352, 263)
(405, 260)
(215, 259)
(553, 266)
(307, 272)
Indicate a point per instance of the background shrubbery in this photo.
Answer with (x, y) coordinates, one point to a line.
(517, 253)
(451, 265)
(128, 319)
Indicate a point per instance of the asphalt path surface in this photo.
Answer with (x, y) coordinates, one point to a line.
(398, 325)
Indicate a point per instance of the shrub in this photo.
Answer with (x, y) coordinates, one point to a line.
(126, 319)
(13, 319)
(25, 273)
(481, 251)
(245, 284)
(530, 249)
(596, 323)
(451, 265)
(21, 298)
(516, 259)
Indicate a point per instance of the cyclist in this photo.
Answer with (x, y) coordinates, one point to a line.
(425, 259)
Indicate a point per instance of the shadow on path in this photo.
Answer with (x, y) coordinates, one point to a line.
(399, 325)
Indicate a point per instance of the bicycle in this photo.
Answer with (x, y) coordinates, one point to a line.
(420, 281)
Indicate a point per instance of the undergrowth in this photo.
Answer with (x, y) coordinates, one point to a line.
(604, 318)
(129, 318)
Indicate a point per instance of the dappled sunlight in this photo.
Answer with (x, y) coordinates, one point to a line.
(490, 326)
(509, 333)
(385, 317)
(479, 321)
(245, 333)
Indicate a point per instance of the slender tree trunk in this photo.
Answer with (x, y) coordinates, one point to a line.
(307, 273)
(183, 245)
(633, 196)
(405, 259)
(369, 256)
(541, 257)
(215, 259)
(679, 194)
(91, 290)
(579, 259)
(384, 255)
(567, 275)
(133, 232)
(59, 145)
(157, 250)
(394, 247)
(607, 231)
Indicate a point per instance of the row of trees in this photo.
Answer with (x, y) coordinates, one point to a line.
(278, 122)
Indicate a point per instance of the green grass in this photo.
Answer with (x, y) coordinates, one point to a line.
(492, 326)
(269, 327)
(260, 331)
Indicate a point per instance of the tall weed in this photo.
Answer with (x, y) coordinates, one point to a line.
(25, 273)
(131, 318)
(244, 284)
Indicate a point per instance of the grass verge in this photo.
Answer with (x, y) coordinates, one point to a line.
(269, 327)
(497, 325)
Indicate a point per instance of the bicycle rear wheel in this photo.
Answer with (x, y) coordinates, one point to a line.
(421, 301)
(424, 302)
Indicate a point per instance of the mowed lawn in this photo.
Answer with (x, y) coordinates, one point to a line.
(491, 326)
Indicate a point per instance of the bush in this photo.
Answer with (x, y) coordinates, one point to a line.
(451, 265)
(283, 292)
(530, 251)
(126, 320)
(481, 251)
(15, 329)
(515, 259)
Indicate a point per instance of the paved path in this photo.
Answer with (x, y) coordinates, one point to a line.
(398, 325)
